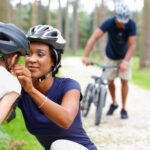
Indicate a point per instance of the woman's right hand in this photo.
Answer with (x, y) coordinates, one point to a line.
(24, 77)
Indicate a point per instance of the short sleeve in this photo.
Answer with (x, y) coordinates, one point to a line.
(132, 31)
(8, 82)
(105, 25)
(69, 84)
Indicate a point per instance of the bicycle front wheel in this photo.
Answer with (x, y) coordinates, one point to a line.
(100, 103)
(87, 100)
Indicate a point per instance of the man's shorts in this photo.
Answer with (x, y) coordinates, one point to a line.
(111, 74)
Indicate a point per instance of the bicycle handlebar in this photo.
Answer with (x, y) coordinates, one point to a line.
(105, 66)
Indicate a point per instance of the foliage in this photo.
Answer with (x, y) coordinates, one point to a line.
(26, 16)
(85, 26)
(15, 136)
(140, 77)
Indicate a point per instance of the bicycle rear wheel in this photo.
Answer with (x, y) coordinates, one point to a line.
(87, 100)
(101, 95)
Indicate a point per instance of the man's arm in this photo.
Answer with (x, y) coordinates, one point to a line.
(90, 44)
(129, 54)
(131, 49)
(6, 105)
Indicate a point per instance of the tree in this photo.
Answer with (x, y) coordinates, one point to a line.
(48, 14)
(67, 27)
(102, 41)
(145, 50)
(59, 17)
(19, 19)
(75, 26)
(34, 13)
(5, 11)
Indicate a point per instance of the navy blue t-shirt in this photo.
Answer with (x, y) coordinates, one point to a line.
(117, 42)
(45, 130)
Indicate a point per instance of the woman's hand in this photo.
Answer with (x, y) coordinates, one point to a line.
(24, 77)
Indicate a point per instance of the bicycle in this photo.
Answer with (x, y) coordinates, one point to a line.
(96, 93)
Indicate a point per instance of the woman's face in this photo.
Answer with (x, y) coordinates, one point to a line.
(39, 61)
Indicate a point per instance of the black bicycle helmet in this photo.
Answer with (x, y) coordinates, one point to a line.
(12, 40)
(48, 35)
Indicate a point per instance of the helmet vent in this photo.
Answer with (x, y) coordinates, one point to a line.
(54, 34)
(3, 37)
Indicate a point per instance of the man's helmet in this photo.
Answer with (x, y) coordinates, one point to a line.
(12, 40)
(122, 12)
(47, 34)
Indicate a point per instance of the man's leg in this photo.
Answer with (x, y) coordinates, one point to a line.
(112, 90)
(125, 76)
(111, 74)
(124, 93)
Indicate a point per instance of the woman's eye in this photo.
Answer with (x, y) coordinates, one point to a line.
(41, 54)
(28, 55)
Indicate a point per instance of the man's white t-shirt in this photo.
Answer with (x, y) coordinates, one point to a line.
(8, 83)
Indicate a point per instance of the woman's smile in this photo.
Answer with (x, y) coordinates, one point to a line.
(33, 68)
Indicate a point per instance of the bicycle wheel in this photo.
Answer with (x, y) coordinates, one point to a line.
(87, 100)
(101, 95)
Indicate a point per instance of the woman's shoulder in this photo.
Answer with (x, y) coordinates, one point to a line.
(67, 82)
(65, 79)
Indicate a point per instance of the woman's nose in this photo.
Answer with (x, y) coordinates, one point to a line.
(32, 58)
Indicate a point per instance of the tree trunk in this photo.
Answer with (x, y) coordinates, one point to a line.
(19, 15)
(5, 11)
(67, 27)
(48, 14)
(102, 41)
(75, 26)
(59, 17)
(34, 13)
(145, 51)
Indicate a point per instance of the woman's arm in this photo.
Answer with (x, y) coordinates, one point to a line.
(6, 104)
(64, 114)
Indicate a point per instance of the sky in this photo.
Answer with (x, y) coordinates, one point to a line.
(88, 5)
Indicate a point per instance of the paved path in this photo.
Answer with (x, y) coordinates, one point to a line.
(114, 133)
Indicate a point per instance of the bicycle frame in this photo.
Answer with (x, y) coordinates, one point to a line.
(96, 93)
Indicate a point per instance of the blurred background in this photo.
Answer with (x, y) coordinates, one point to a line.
(76, 19)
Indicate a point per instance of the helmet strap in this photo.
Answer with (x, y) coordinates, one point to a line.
(43, 77)
(40, 79)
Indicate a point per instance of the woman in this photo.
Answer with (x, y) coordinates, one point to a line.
(50, 105)
(13, 43)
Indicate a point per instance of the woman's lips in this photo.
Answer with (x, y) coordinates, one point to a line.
(33, 68)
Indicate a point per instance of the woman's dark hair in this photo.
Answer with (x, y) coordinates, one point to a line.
(56, 60)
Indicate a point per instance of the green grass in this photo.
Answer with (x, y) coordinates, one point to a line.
(16, 136)
(140, 77)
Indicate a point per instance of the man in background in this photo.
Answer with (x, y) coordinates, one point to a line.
(121, 44)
